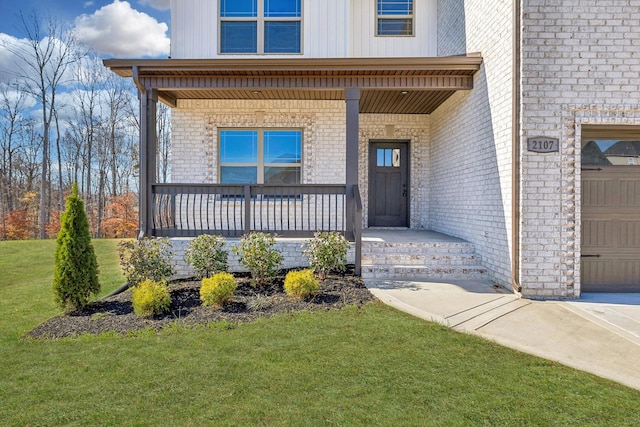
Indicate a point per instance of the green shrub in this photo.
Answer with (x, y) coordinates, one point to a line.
(256, 253)
(218, 289)
(75, 277)
(301, 284)
(327, 252)
(146, 259)
(206, 255)
(150, 298)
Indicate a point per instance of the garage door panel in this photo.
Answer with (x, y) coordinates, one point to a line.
(629, 193)
(628, 271)
(597, 191)
(629, 234)
(597, 233)
(597, 271)
(611, 228)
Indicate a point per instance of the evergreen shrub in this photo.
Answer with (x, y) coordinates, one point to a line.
(146, 259)
(150, 298)
(75, 277)
(257, 254)
(206, 255)
(301, 284)
(218, 289)
(327, 252)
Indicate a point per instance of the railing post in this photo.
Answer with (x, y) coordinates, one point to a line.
(247, 209)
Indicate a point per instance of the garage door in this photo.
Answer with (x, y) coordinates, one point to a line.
(611, 226)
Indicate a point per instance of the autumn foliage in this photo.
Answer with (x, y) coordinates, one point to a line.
(122, 217)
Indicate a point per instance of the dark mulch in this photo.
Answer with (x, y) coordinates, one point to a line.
(115, 314)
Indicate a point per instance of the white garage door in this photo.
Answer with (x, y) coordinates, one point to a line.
(611, 218)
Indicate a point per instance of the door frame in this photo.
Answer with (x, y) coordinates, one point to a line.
(371, 155)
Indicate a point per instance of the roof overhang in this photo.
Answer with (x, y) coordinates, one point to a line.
(388, 85)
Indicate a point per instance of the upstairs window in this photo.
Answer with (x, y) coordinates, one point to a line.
(260, 26)
(394, 18)
(260, 156)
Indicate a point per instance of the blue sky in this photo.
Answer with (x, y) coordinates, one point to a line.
(114, 28)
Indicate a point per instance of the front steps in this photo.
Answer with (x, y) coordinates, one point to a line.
(418, 255)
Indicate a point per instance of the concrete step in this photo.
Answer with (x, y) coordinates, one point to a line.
(413, 247)
(421, 259)
(414, 272)
(475, 318)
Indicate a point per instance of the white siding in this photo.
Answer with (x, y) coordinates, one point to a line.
(331, 29)
(365, 44)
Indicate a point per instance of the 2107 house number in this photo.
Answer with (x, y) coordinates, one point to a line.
(540, 144)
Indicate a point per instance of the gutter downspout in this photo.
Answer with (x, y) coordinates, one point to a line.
(136, 80)
(515, 149)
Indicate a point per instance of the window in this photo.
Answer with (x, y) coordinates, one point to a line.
(262, 156)
(394, 18)
(260, 26)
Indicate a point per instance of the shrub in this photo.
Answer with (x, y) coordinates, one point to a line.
(146, 259)
(218, 289)
(301, 284)
(150, 298)
(327, 252)
(75, 276)
(206, 255)
(256, 253)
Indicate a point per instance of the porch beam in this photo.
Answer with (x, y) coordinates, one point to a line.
(352, 99)
(422, 82)
(148, 149)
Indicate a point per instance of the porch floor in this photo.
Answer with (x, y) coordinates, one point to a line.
(405, 235)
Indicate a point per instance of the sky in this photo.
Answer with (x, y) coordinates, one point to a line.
(112, 28)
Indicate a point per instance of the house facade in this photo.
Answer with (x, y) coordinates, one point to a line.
(469, 118)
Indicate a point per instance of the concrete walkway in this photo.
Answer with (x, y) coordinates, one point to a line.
(599, 333)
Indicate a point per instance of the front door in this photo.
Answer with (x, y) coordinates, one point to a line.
(388, 184)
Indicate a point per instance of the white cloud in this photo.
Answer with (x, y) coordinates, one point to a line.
(121, 31)
(9, 65)
(157, 4)
(88, 4)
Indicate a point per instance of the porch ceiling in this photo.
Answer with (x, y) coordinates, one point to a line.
(388, 85)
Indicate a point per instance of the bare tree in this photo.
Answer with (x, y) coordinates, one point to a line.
(44, 62)
(164, 142)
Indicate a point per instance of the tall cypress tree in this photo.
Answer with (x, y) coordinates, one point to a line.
(76, 269)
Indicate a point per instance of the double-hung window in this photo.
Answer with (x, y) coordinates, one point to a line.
(394, 18)
(262, 156)
(260, 26)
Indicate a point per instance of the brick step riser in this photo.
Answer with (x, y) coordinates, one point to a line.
(399, 273)
(461, 249)
(423, 260)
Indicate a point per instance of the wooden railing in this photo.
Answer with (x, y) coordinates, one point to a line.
(188, 210)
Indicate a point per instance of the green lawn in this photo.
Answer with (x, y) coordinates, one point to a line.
(373, 366)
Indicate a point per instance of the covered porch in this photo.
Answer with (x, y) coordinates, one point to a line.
(365, 85)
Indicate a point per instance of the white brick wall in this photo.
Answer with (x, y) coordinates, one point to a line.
(195, 148)
(291, 250)
(580, 66)
(471, 152)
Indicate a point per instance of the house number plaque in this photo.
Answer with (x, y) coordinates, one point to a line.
(541, 144)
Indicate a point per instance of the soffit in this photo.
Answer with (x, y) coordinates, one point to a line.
(388, 85)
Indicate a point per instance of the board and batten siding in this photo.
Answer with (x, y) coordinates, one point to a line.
(365, 43)
(331, 29)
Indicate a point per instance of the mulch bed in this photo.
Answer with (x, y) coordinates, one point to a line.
(115, 314)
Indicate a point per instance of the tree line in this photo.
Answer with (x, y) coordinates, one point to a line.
(64, 119)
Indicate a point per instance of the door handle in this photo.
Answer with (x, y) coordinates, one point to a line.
(404, 190)
(590, 256)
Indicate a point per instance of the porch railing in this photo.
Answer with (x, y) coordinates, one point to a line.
(188, 210)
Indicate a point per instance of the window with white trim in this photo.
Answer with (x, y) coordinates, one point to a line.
(260, 156)
(260, 26)
(394, 18)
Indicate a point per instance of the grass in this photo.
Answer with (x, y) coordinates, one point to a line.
(370, 366)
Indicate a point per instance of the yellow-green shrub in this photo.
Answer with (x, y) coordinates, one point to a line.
(150, 298)
(218, 289)
(301, 284)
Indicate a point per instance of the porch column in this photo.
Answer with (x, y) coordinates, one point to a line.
(352, 98)
(148, 143)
